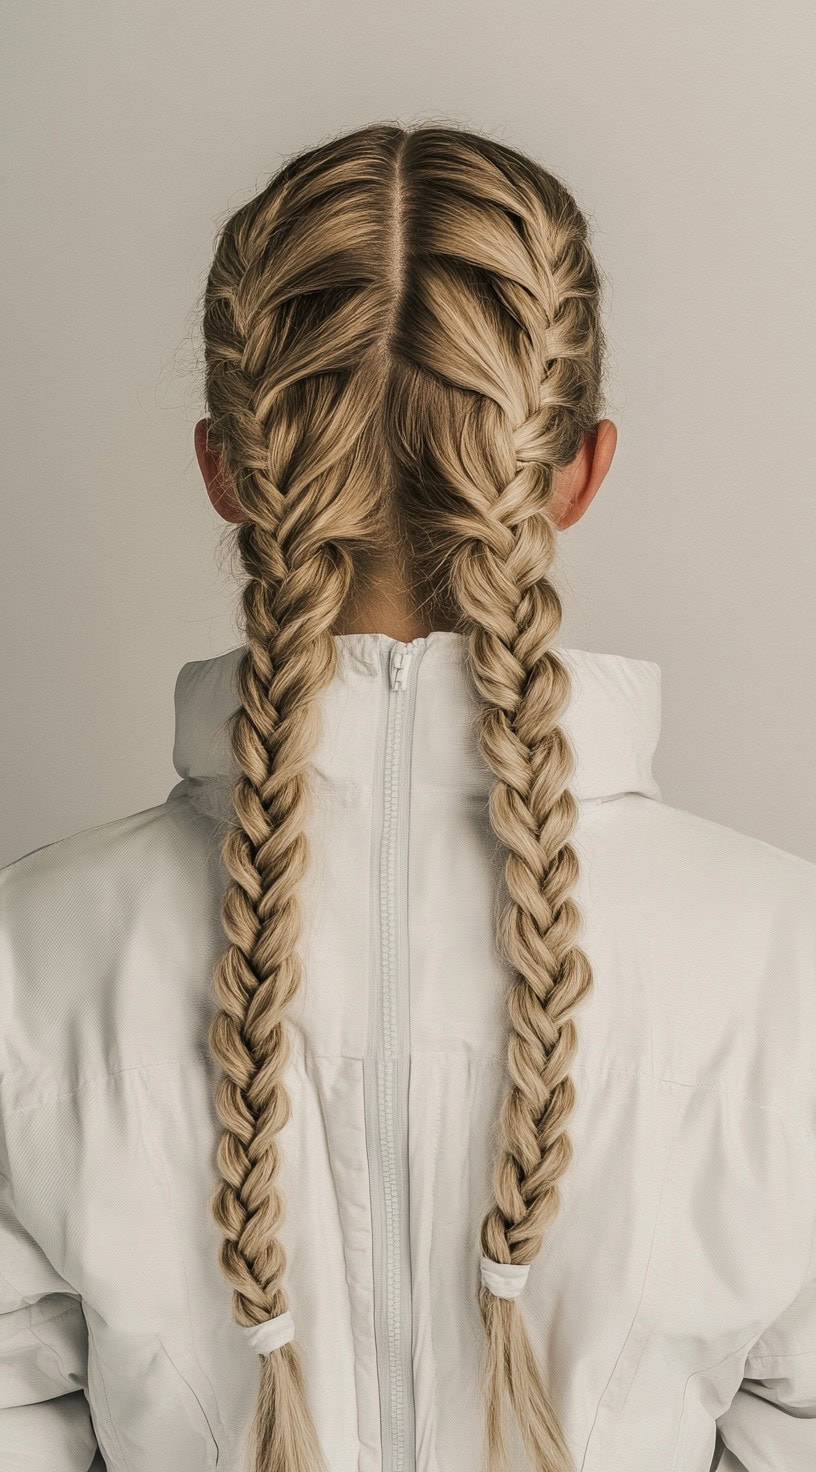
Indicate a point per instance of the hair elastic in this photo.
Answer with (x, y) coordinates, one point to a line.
(504, 1279)
(271, 1334)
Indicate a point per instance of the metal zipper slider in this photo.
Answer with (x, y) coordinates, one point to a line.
(398, 666)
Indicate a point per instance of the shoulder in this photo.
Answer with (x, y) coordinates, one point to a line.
(744, 898)
(713, 935)
(681, 856)
(88, 925)
(100, 868)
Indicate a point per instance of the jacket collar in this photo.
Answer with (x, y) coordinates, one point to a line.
(613, 721)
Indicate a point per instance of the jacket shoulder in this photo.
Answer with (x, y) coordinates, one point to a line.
(725, 866)
(93, 864)
(89, 925)
(718, 930)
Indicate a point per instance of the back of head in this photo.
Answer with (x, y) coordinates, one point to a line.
(403, 343)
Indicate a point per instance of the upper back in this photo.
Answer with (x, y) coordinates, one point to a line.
(702, 939)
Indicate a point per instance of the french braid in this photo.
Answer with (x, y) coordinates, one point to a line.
(308, 486)
(533, 813)
(402, 335)
(528, 351)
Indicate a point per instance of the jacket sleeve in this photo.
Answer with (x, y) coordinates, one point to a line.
(771, 1422)
(45, 1419)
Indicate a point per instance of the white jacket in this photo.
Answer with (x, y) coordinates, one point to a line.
(673, 1304)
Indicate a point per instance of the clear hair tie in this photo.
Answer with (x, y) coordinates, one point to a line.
(504, 1279)
(271, 1334)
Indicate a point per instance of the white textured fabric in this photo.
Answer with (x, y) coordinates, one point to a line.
(505, 1279)
(674, 1298)
(271, 1334)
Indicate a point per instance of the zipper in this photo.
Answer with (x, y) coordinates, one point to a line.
(386, 1074)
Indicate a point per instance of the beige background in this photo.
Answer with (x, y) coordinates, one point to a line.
(687, 133)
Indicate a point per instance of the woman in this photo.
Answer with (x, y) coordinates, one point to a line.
(496, 1137)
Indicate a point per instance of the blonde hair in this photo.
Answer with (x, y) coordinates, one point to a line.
(402, 334)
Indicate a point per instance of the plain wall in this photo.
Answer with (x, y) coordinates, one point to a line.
(685, 130)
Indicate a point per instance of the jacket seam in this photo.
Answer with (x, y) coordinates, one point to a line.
(146, 1117)
(643, 1287)
(750, 1358)
(769, 1332)
(695, 1375)
(798, 1354)
(111, 1426)
(432, 1315)
(341, 1228)
(622, 1070)
(50, 1318)
(98, 1079)
(44, 1342)
(30, 1300)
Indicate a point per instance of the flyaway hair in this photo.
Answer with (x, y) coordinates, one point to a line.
(402, 344)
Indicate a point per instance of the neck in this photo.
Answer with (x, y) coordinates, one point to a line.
(382, 601)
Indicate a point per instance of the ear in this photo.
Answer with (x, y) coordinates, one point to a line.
(214, 472)
(575, 484)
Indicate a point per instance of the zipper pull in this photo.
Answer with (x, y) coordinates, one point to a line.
(398, 666)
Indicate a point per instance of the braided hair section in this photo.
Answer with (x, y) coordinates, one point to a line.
(532, 811)
(505, 309)
(305, 471)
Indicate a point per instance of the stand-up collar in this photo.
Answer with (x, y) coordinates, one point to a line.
(612, 719)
